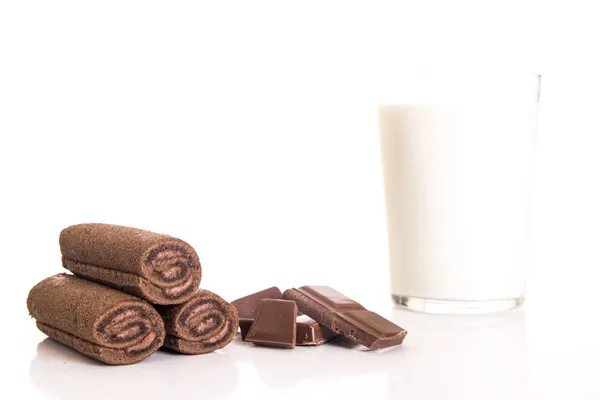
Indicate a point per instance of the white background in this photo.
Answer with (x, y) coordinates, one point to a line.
(248, 130)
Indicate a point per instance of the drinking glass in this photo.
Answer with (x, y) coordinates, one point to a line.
(457, 157)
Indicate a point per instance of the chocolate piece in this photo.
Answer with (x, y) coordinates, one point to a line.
(343, 315)
(308, 331)
(202, 324)
(248, 306)
(100, 322)
(158, 268)
(245, 324)
(275, 324)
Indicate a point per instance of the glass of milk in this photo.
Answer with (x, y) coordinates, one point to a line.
(457, 156)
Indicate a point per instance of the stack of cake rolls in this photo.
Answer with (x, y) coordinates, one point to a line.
(131, 292)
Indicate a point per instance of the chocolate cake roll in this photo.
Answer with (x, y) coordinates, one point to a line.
(103, 323)
(203, 324)
(155, 267)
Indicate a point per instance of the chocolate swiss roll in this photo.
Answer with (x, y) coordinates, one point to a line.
(203, 324)
(158, 268)
(103, 323)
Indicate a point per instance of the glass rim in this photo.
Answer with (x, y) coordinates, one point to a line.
(472, 73)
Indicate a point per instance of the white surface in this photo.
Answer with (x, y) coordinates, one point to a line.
(517, 355)
(458, 180)
(245, 130)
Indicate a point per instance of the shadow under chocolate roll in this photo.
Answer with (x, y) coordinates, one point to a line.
(158, 268)
(203, 324)
(103, 323)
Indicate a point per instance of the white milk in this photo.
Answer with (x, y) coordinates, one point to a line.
(458, 185)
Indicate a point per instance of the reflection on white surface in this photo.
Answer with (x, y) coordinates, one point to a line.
(462, 357)
(466, 357)
(66, 374)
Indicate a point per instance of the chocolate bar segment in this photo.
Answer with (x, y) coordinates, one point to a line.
(247, 306)
(275, 324)
(343, 315)
(308, 331)
(245, 324)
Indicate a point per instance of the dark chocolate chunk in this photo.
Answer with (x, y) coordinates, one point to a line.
(248, 306)
(275, 324)
(308, 331)
(245, 324)
(343, 315)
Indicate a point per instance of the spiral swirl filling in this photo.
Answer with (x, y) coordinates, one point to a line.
(171, 268)
(205, 320)
(129, 327)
